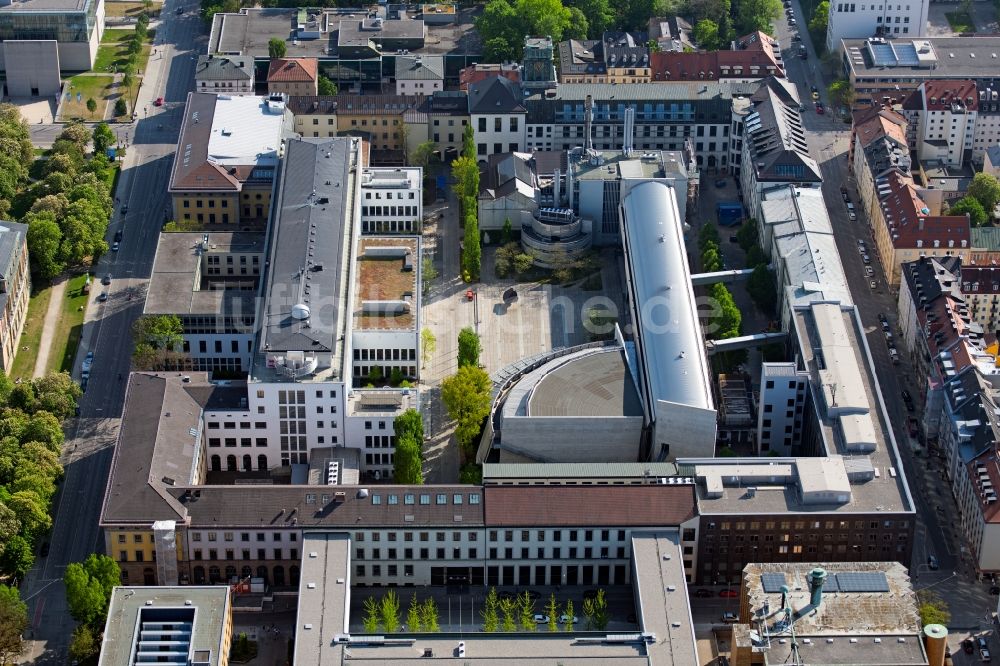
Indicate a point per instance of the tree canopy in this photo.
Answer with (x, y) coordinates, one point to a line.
(969, 205)
(156, 338)
(13, 622)
(466, 396)
(88, 588)
(985, 189)
(706, 34)
(754, 15)
(469, 347)
(276, 48)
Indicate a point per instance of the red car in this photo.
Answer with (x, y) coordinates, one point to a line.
(819, 108)
(729, 594)
(158, 102)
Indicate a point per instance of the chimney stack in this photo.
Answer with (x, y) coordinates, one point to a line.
(816, 578)
(588, 121)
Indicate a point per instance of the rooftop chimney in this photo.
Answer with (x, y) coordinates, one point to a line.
(588, 121)
(816, 578)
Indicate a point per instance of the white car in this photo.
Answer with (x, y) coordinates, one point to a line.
(566, 619)
(865, 258)
(852, 217)
(541, 619)
(869, 271)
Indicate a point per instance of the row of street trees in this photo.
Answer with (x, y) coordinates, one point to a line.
(465, 171)
(385, 614)
(467, 393)
(409, 457)
(68, 208)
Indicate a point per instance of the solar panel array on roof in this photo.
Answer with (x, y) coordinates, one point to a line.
(772, 582)
(860, 581)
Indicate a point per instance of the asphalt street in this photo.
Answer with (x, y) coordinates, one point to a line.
(89, 446)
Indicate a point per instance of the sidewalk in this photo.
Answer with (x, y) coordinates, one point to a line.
(50, 326)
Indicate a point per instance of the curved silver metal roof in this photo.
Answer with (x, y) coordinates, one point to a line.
(669, 336)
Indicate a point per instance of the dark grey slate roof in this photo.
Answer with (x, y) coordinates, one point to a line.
(306, 253)
(496, 95)
(420, 68)
(224, 68)
(776, 137)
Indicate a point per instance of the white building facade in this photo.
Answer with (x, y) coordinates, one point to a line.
(856, 20)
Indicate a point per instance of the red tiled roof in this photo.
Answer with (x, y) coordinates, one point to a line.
(293, 70)
(874, 122)
(939, 95)
(476, 73)
(909, 225)
(712, 65)
(523, 506)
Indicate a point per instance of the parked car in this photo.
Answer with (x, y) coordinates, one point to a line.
(850, 206)
(984, 655)
(180, 10)
(843, 193)
(872, 284)
(869, 271)
(819, 108)
(791, 21)
(852, 217)
(729, 594)
(815, 92)
(102, 297)
(861, 242)
(125, 209)
(566, 619)
(119, 235)
(702, 593)
(721, 182)
(115, 246)
(730, 617)
(865, 258)
(968, 646)
(106, 280)
(894, 356)
(932, 563)
(796, 38)
(982, 642)
(541, 619)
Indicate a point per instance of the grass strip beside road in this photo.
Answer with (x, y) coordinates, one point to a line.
(113, 52)
(66, 338)
(31, 334)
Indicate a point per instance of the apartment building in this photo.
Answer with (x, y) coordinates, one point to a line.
(941, 118)
(227, 75)
(497, 114)
(447, 117)
(484, 70)
(851, 20)
(419, 75)
(293, 76)
(754, 56)
(618, 57)
(226, 159)
(15, 288)
(981, 291)
(902, 223)
(884, 70)
(774, 144)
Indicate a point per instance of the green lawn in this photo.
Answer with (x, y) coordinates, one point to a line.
(96, 86)
(960, 21)
(113, 52)
(24, 361)
(120, 9)
(67, 336)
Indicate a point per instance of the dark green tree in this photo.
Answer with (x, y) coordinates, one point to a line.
(507, 233)
(706, 34)
(970, 206)
(13, 622)
(469, 347)
(466, 396)
(472, 249)
(985, 189)
(88, 588)
(762, 289)
(407, 462)
(276, 48)
(326, 86)
(103, 138)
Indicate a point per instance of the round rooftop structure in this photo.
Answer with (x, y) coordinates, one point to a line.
(300, 311)
(597, 384)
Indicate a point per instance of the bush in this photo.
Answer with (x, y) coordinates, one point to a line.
(121, 108)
